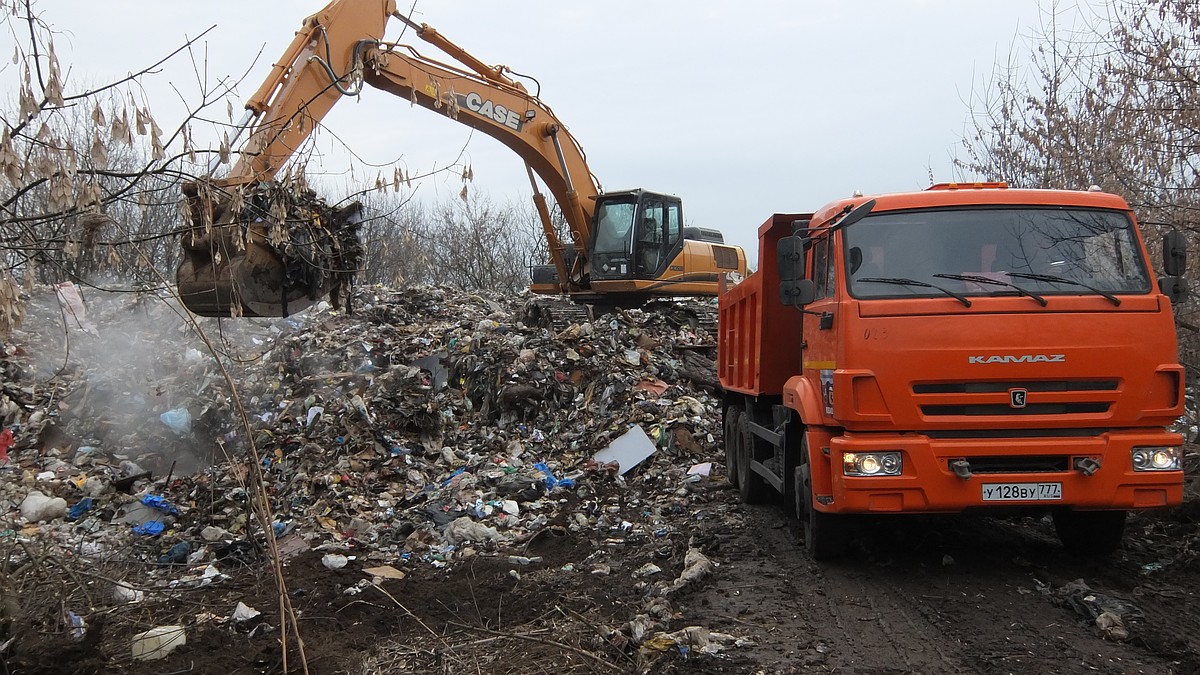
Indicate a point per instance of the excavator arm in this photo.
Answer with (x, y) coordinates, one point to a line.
(234, 265)
(244, 253)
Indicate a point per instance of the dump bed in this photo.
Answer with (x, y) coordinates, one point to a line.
(758, 336)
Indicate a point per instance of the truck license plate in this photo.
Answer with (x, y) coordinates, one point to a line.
(1021, 492)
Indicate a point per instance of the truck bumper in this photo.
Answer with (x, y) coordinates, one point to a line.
(928, 484)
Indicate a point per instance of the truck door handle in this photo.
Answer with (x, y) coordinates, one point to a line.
(826, 321)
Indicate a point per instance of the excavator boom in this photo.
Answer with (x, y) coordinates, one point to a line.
(235, 261)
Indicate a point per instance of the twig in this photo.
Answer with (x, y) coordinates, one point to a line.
(595, 629)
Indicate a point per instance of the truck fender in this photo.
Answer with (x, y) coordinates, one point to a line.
(801, 395)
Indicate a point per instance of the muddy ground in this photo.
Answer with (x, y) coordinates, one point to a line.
(595, 588)
(919, 595)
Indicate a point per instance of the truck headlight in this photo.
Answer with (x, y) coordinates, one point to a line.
(1157, 459)
(872, 464)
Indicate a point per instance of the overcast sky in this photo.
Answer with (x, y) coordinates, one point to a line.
(741, 108)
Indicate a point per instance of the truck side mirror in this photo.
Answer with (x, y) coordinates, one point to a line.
(1175, 288)
(797, 293)
(1174, 253)
(791, 257)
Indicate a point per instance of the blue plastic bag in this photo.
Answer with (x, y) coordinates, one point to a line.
(179, 420)
(550, 481)
(81, 507)
(159, 502)
(150, 528)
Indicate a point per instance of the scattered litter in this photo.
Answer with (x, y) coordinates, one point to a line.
(157, 643)
(177, 555)
(149, 528)
(633, 447)
(81, 507)
(646, 570)
(549, 479)
(243, 613)
(334, 561)
(178, 420)
(696, 566)
(1111, 626)
(127, 594)
(384, 572)
(77, 625)
(37, 507)
(695, 638)
(1090, 605)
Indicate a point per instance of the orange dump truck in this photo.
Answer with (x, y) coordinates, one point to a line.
(967, 348)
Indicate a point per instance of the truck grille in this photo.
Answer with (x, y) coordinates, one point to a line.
(991, 398)
(1018, 464)
(1028, 385)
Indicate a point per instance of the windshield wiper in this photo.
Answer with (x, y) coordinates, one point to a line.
(900, 281)
(1050, 278)
(994, 282)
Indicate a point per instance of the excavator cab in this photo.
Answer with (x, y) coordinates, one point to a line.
(635, 234)
(640, 249)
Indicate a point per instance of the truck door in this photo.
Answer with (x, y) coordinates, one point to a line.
(820, 327)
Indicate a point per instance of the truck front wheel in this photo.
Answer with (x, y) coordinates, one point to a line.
(1090, 532)
(826, 536)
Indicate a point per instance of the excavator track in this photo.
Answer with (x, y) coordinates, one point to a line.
(558, 313)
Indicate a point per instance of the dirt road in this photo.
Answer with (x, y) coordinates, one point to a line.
(951, 596)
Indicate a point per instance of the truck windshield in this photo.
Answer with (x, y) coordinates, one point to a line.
(1092, 251)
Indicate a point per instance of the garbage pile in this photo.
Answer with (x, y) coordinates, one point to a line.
(429, 427)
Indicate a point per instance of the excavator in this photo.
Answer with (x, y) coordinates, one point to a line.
(625, 247)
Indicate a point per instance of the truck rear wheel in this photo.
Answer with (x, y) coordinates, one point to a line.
(1090, 532)
(753, 488)
(732, 415)
(826, 536)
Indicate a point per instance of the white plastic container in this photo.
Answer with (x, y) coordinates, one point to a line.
(156, 643)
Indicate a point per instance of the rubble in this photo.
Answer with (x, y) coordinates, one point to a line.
(429, 428)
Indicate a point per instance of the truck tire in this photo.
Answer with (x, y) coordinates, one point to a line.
(732, 415)
(1090, 532)
(826, 536)
(753, 488)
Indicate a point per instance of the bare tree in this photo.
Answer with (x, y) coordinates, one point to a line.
(90, 184)
(1104, 97)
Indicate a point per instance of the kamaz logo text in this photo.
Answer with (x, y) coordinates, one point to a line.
(1023, 358)
(495, 112)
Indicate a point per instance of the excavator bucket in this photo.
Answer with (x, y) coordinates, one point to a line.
(270, 250)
